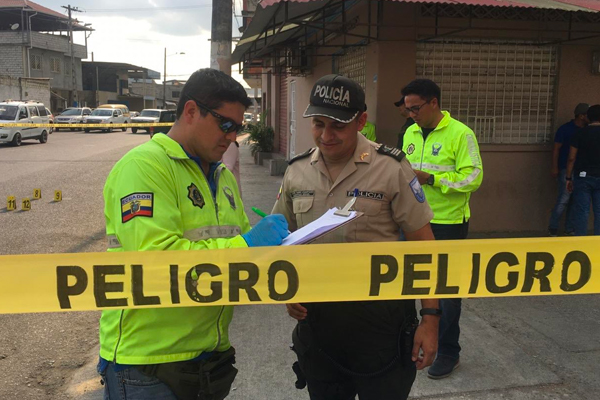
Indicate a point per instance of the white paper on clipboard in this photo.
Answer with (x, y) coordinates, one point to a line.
(325, 224)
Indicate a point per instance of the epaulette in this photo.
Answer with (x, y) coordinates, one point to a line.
(391, 151)
(303, 155)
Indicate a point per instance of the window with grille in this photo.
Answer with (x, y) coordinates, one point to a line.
(505, 92)
(352, 64)
(55, 65)
(36, 62)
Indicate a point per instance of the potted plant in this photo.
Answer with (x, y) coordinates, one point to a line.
(260, 139)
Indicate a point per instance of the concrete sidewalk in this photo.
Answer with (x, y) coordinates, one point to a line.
(534, 348)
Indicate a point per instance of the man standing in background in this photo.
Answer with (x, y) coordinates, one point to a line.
(562, 142)
(409, 121)
(445, 156)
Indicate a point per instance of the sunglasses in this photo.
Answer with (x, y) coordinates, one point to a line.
(227, 125)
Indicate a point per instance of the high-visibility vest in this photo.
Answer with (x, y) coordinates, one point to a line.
(451, 153)
(158, 199)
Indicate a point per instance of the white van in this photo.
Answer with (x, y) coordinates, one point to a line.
(23, 112)
(105, 116)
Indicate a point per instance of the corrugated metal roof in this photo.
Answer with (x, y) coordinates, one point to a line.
(566, 5)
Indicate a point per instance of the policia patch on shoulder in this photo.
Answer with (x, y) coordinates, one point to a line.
(301, 156)
(391, 152)
(137, 205)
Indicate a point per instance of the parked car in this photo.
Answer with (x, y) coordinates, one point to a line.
(151, 116)
(105, 116)
(23, 112)
(73, 115)
(133, 114)
(51, 118)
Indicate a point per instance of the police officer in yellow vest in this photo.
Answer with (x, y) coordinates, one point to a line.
(366, 347)
(172, 193)
(445, 156)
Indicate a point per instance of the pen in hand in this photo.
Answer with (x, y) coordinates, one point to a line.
(262, 214)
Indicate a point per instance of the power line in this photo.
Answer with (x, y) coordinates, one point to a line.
(148, 9)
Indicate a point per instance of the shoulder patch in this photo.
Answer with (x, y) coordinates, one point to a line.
(391, 152)
(301, 156)
(137, 205)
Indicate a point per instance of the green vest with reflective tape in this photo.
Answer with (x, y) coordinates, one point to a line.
(158, 199)
(451, 154)
(368, 131)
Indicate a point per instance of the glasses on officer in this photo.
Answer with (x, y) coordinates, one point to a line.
(227, 125)
(415, 109)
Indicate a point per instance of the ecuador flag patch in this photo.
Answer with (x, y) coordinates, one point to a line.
(137, 205)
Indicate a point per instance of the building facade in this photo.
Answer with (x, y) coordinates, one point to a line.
(513, 74)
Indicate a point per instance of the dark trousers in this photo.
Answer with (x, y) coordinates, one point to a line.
(449, 323)
(332, 384)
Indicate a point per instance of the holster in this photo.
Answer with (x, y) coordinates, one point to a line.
(406, 342)
(209, 379)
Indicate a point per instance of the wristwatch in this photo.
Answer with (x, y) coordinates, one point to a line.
(430, 311)
(430, 180)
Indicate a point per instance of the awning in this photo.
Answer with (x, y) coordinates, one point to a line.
(278, 22)
(566, 5)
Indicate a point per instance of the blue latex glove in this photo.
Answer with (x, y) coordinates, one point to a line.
(270, 231)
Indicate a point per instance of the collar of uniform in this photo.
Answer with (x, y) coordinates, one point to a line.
(363, 146)
(172, 148)
(443, 123)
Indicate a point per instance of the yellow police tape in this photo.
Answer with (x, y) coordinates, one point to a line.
(70, 126)
(308, 273)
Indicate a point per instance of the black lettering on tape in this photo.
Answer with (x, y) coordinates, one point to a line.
(541, 274)
(410, 275)
(137, 288)
(584, 275)
(442, 280)
(476, 261)
(174, 273)
(235, 283)
(101, 287)
(292, 276)
(492, 267)
(63, 290)
(191, 285)
(377, 277)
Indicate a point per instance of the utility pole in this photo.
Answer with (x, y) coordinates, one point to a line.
(73, 93)
(165, 82)
(220, 42)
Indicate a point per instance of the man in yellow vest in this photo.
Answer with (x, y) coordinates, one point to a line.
(368, 131)
(172, 193)
(445, 156)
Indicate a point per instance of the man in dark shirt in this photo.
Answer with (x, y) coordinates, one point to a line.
(562, 141)
(583, 173)
(409, 121)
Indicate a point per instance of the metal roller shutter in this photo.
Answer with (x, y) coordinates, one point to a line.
(283, 115)
(504, 91)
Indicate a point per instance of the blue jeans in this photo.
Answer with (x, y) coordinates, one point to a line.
(131, 384)
(586, 190)
(451, 308)
(562, 203)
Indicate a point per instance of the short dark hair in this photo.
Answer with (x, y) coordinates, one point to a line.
(593, 113)
(426, 88)
(212, 88)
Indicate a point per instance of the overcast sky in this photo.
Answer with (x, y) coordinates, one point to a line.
(137, 32)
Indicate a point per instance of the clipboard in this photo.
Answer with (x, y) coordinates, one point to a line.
(332, 219)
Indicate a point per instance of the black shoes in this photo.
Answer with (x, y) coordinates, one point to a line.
(442, 367)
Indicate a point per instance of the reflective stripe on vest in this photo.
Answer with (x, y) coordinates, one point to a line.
(212, 232)
(434, 167)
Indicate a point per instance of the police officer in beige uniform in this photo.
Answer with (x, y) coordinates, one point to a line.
(351, 348)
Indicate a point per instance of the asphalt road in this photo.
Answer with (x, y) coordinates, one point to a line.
(40, 352)
(534, 348)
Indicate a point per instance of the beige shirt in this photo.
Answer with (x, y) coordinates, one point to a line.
(389, 195)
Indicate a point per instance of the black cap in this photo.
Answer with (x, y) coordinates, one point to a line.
(399, 102)
(336, 97)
